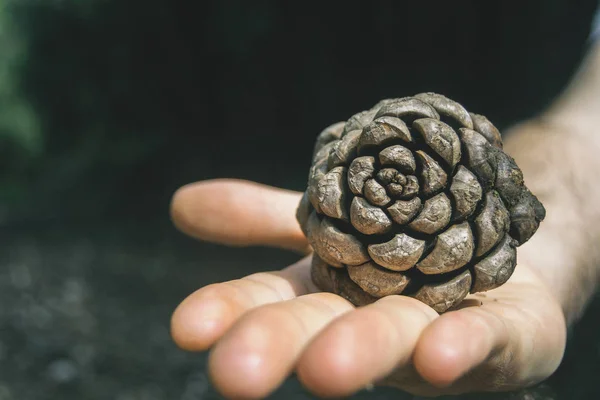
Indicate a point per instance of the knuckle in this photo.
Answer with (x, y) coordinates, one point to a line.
(479, 320)
(216, 290)
(267, 278)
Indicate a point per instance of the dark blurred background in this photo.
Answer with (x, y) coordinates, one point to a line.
(107, 106)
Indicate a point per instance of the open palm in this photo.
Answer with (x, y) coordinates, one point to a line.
(265, 326)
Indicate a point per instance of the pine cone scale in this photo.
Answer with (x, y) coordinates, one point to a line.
(448, 108)
(443, 296)
(441, 138)
(453, 249)
(399, 254)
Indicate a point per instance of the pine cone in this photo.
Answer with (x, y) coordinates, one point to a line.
(415, 196)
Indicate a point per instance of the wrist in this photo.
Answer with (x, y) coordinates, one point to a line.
(559, 171)
(568, 270)
(577, 107)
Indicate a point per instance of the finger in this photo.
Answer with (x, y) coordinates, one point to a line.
(205, 315)
(535, 348)
(458, 342)
(364, 346)
(239, 213)
(514, 339)
(260, 351)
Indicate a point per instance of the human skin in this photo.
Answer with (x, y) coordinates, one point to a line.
(263, 327)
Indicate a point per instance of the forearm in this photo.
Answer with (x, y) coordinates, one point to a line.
(559, 153)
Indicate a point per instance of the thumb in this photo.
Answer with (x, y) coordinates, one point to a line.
(239, 213)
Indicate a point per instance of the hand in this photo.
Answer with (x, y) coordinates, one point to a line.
(264, 327)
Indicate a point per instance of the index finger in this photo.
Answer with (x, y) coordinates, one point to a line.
(239, 213)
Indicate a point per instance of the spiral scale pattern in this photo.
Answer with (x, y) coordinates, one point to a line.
(415, 196)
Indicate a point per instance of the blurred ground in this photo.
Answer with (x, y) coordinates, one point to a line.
(84, 314)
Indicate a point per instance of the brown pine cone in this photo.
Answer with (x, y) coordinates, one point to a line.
(415, 196)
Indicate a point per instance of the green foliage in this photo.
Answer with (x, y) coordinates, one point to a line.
(19, 127)
(62, 147)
